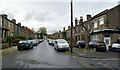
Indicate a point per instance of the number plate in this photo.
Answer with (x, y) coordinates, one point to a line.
(22, 44)
(102, 46)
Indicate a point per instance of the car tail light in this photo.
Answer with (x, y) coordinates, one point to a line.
(17, 44)
(97, 44)
(27, 43)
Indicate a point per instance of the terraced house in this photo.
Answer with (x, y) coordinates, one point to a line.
(10, 28)
(104, 26)
(101, 27)
(4, 26)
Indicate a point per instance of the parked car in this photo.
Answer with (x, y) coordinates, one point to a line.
(25, 44)
(97, 45)
(116, 46)
(34, 42)
(81, 44)
(40, 40)
(61, 44)
(50, 41)
(53, 42)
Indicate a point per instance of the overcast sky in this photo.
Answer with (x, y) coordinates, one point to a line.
(52, 14)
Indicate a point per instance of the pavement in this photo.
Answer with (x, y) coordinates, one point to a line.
(99, 55)
(45, 56)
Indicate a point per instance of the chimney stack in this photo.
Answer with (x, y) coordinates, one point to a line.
(63, 28)
(59, 31)
(81, 19)
(19, 24)
(68, 27)
(75, 22)
(14, 20)
(88, 16)
(4, 15)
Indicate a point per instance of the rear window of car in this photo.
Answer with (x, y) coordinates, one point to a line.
(101, 43)
(23, 42)
(34, 41)
(62, 41)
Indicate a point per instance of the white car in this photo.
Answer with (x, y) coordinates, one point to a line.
(61, 44)
(115, 47)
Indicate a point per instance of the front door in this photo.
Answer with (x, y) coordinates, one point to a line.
(107, 41)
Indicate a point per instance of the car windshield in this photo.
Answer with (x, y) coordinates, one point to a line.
(23, 42)
(62, 41)
(101, 43)
(34, 42)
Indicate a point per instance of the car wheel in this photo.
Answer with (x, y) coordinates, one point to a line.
(18, 48)
(32, 47)
(57, 48)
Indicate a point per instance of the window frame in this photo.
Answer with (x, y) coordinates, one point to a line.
(101, 19)
(9, 24)
(95, 24)
(1, 21)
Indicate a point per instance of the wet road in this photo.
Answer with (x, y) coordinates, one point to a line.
(45, 56)
(42, 56)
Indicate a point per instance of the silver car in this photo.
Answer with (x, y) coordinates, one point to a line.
(61, 44)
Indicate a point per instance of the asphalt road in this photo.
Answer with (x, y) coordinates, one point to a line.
(42, 56)
(45, 56)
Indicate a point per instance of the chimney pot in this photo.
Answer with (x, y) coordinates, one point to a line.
(75, 22)
(14, 20)
(88, 16)
(64, 29)
(81, 19)
(4, 15)
(19, 24)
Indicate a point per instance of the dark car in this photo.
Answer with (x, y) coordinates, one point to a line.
(97, 45)
(25, 44)
(34, 42)
(81, 44)
(41, 40)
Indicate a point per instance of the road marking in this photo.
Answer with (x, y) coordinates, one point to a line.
(106, 66)
(108, 59)
(86, 65)
(9, 53)
(7, 49)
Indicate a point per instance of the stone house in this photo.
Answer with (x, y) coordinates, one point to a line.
(104, 26)
(4, 26)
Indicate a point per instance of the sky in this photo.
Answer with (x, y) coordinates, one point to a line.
(52, 14)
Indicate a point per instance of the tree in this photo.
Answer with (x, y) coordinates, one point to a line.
(42, 32)
(86, 30)
(64, 33)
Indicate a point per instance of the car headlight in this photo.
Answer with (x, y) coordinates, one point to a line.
(67, 45)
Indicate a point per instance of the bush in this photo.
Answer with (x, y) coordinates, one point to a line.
(21, 37)
(16, 40)
(13, 44)
(5, 45)
(10, 38)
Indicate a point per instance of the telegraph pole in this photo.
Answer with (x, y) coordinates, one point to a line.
(71, 26)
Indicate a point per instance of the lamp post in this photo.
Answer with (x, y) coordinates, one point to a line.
(71, 26)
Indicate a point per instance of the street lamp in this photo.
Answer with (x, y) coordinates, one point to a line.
(71, 25)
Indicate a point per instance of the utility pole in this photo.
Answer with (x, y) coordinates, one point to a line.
(71, 26)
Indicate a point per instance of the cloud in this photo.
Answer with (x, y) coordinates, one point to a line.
(52, 15)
